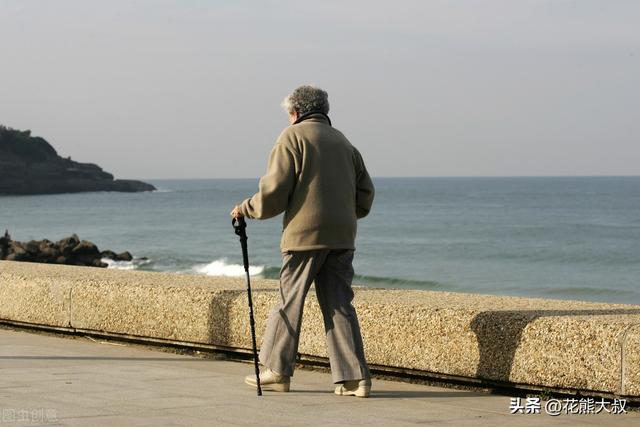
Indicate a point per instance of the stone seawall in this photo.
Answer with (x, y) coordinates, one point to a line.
(590, 348)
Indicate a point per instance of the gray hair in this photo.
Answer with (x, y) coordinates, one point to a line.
(306, 99)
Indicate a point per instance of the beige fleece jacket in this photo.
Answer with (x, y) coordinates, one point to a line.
(319, 180)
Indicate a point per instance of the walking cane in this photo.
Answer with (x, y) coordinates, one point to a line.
(240, 227)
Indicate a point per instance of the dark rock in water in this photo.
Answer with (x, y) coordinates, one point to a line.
(30, 165)
(48, 253)
(97, 263)
(131, 186)
(86, 253)
(124, 256)
(67, 244)
(85, 248)
(17, 252)
(108, 254)
(70, 250)
(33, 247)
(5, 245)
(19, 255)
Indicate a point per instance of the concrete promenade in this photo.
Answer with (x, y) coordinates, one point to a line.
(583, 348)
(76, 381)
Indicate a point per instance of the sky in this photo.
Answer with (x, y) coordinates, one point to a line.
(192, 89)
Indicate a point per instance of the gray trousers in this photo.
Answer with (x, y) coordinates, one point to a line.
(332, 272)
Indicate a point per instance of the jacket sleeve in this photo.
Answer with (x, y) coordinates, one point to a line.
(275, 186)
(364, 188)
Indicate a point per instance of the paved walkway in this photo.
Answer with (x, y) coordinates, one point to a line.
(50, 380)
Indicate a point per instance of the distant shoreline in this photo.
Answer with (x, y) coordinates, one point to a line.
(415, 177)
(30, 165)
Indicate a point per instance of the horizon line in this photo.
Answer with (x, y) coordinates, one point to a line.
(416, 176)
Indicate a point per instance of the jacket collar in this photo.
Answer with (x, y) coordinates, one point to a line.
(314, 116)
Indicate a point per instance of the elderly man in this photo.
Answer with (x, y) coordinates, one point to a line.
(319, 180)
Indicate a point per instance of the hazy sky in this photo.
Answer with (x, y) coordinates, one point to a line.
(192, 89)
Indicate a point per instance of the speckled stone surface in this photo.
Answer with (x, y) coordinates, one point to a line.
(631, 361)
(553, 343)
(45, 300)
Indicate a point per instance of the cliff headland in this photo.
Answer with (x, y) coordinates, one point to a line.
(30, 165)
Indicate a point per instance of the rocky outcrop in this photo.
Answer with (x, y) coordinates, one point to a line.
(30, 165)
(70, 250)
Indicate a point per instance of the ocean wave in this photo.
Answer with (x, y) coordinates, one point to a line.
(126, 265)
(394, 282)
(374, 281)
(583, 291)
(220, 267)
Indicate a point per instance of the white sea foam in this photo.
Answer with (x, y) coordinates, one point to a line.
(220, 267)
(125, 265)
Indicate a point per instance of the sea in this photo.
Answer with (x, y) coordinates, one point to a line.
(552, 237)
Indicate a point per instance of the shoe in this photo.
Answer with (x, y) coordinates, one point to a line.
(269, 380)
(358, 388)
